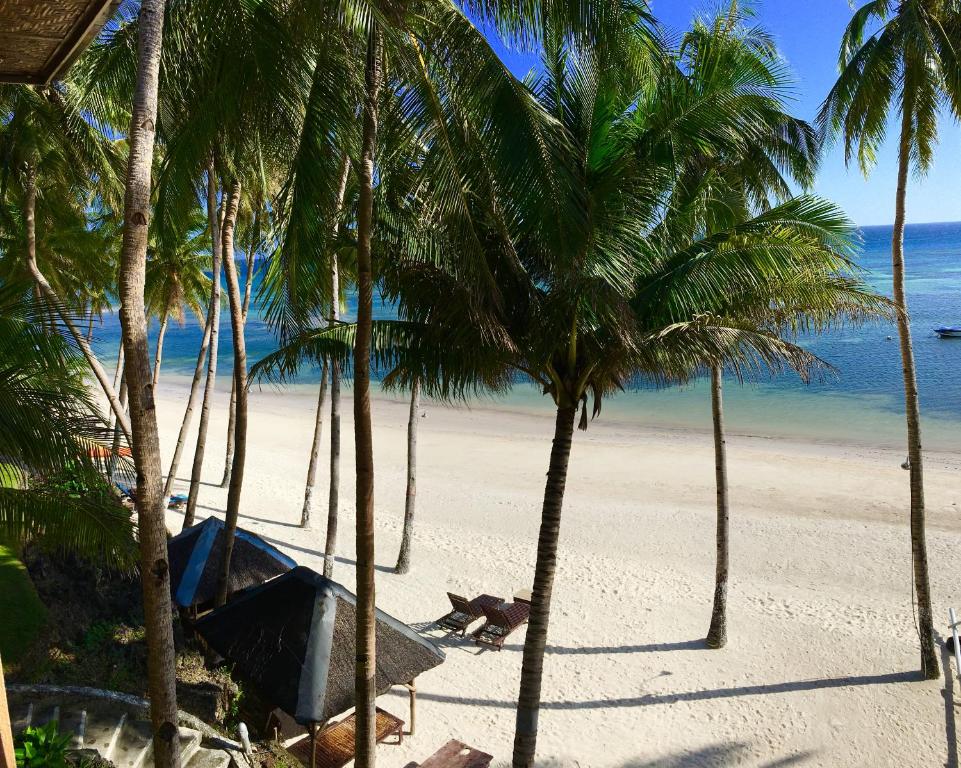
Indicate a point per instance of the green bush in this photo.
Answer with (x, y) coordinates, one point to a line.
(42, 747)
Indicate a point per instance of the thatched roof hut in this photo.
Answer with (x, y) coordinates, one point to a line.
(293, 639)
(40, 39)
(196, 557)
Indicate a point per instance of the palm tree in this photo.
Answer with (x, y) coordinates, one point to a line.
(161, 662)
(48, 149)
(175, 280)
(908, 64)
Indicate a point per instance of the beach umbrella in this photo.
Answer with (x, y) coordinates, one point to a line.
(293, 640)
(196, 554)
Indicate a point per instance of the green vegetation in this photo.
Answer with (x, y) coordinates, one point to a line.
(23, 613)
(42, 747)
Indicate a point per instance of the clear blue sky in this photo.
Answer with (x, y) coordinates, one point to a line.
(808, 33)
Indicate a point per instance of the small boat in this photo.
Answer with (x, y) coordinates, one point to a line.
(949, 331)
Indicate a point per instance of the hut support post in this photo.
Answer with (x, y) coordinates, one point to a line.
(412, 690)
(312, 730)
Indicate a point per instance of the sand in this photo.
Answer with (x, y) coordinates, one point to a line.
(821, 663)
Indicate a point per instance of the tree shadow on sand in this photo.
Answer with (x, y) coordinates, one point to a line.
(655, 699)
(712, 756)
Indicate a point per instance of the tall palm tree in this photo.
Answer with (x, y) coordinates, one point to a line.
(900, 58)
(155, 571)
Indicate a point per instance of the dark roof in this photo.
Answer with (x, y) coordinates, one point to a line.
(196, 555)
(40, 39)
(293, 640)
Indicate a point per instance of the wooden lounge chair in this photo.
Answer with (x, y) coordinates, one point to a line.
(501, 621)
(335, 743)
(466, 612)
(455, 754)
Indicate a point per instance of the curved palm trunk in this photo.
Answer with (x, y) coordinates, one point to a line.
(333, 497)
(151, 525)
(919, 550)
(240, 383)
(232, 415)
(214, 319)
(403, 557)
(717, 634)
(364, 683)
(314, 450)
(53, 301)
(189, 411)
(158, 358)
(532, 667)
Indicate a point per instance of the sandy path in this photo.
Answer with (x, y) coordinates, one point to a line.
(819, 668)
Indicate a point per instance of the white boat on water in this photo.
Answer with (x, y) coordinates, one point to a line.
(949, 331)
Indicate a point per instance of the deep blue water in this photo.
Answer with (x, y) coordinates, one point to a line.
(861, 403)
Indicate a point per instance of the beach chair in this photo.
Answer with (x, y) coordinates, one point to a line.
(501, 622)
(455, 754)
(465, 612)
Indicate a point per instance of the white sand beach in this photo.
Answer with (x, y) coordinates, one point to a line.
(820, 667)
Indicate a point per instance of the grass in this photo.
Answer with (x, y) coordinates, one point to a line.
(23, 613)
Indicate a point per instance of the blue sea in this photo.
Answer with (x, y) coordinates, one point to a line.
(861, 403)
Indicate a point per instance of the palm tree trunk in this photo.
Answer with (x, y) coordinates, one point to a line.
(214, 319)
(151, 526)
(47, 291)
(117, 375)
(314, 450)
(240, 383)
(333, 497)
(403, 557)
(90, 327)
(191, 403)
(231, 434)
(532, 666)
(365, 688)
(232, 414)
(717, 634)
(919, 550)
(115, 445)
(160, 348)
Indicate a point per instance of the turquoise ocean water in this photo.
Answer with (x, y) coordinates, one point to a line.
(860, 404)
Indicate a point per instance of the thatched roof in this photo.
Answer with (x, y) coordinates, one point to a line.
(196, 556)
(40, 39)
(293, 640)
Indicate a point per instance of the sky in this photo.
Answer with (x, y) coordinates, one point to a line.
(808, 33)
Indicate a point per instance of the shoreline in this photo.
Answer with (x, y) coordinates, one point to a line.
(615, 416)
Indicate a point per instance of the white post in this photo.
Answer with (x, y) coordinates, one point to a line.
(954, 636)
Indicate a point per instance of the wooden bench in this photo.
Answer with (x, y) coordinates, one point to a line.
(335, 743)
(455, 754)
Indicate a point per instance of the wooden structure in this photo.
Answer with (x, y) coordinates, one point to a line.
(333, 745)
(40, 39)
(455, 754)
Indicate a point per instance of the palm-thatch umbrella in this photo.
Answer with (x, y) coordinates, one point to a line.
(196, 554)
(293, 639)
